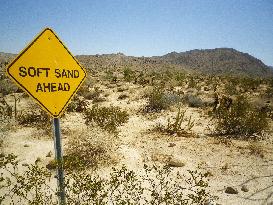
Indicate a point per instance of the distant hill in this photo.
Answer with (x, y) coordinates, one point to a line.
(5, 58)
(218, 61)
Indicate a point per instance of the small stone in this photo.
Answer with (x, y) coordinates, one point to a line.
(24, 164)
(49, 154)
(38, 160)
(244, 188)
(26, 145)
(175, 162)
(231, 190)
(172, 144)
(206, 88)
(209, 202)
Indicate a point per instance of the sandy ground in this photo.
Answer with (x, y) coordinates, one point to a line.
(229, 162)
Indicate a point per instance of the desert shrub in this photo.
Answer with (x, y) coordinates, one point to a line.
(269, 92)
(193, 100)
(255, 148)
(83, 91)
(90, 94)
(156, 100)
(230, 89)
(155, 185)
(172, 97)
(240, 118)
(27, 187)
(159, 99)
(90, 149)
(108, 118)
(77, 104)
(5, 110)
(110, 76)
(35, 117)
(193, 82)
(248, 84)
(8, 111)
(7, 87)
(179, 125)
(143, 79)
(122, 96)
(128, 74)
(180, 77)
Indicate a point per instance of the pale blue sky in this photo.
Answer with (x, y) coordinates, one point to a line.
(141, 27)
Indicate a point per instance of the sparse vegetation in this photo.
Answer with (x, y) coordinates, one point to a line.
(122, 187)
(240, 119)
(193, 100)
(157, 100)
(128, 74)
(35, 117)
(108, 118)
(162, 136)
(77, 104)
(180, 126)
(90, 149)
(5, 110)
(255, 148)
(7, 87)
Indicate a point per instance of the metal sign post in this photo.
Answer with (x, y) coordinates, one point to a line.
(59, 159)
(50, 74)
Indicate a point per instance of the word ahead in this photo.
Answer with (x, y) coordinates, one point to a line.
(48, 72)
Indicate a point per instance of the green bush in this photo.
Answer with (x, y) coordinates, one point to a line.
(6, 112)
(89, 150)
(35, 117)
(108, 118)
(240, 118)
(128, 74)
(7, 87)
(155, 185)
(90, 95)
(77, 104)
(269, 92)
(230, 88)
(250, 84)
(161, 99)
(26, 187)
(156, 100)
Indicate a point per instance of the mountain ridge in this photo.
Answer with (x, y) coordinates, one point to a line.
(217, 61)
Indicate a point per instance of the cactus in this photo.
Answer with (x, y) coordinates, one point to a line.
(16, 100)
(176, 126)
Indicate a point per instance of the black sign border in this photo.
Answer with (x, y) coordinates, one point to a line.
(20, 85)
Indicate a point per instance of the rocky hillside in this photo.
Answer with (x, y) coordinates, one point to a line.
(119, 61)
(5, 58)
(219, 61)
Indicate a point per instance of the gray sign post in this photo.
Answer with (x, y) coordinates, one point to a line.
(59, 159)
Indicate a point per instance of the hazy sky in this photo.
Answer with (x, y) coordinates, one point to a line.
(141, 27)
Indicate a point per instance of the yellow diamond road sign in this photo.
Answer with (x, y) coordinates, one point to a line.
(47, 71)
